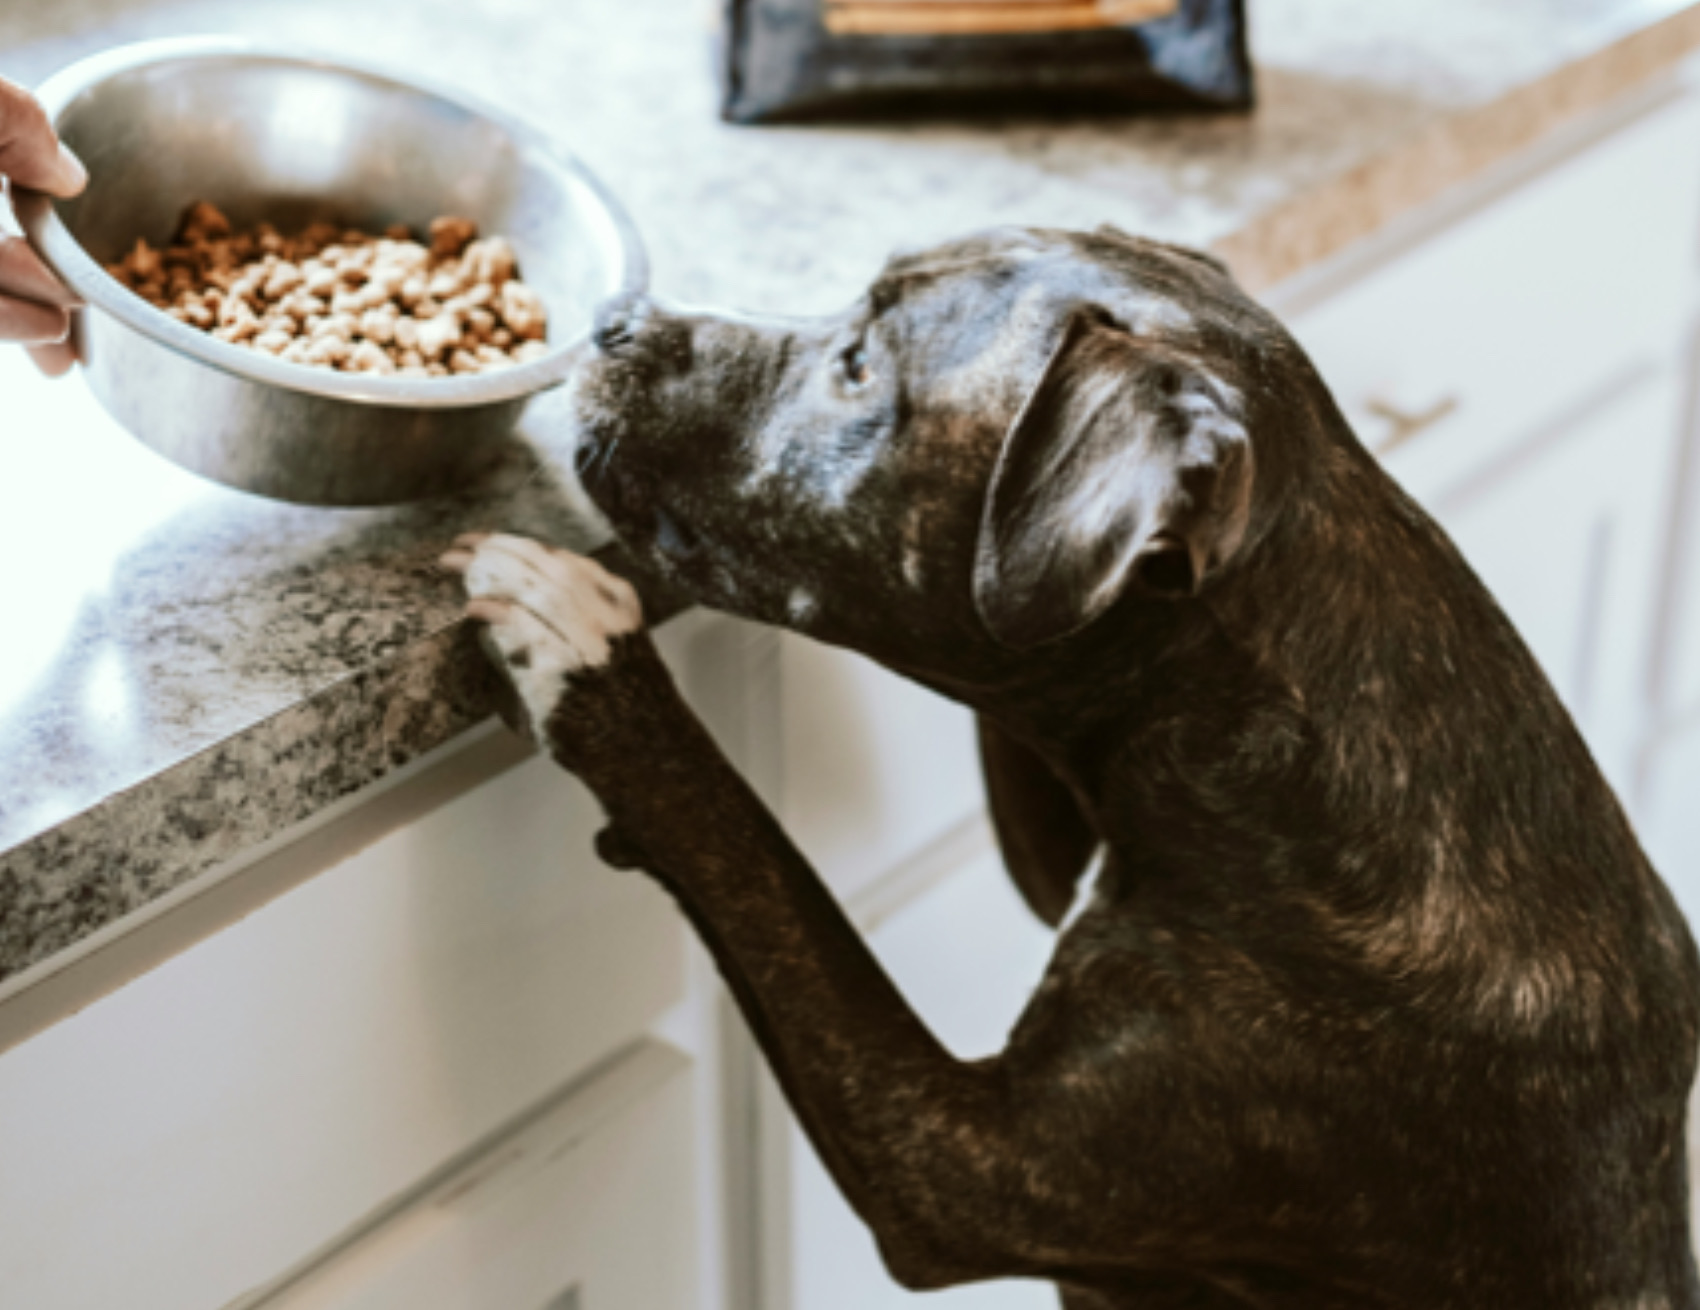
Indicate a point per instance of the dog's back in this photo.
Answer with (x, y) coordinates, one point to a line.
(1445, 1010)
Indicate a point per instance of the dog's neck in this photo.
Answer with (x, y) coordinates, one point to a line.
(1317, 668)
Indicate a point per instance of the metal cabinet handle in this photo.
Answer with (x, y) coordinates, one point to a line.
(1404, 424)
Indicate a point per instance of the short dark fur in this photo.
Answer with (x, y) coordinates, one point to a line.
(1377, 1001)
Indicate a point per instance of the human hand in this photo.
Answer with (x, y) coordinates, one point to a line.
(34, 304)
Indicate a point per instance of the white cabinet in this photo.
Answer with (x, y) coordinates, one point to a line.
(874, 767)
(1679, 667)
(244, 1104)
(585, 1203)
(1670, 767)
(1540, 291)
(241, 1105)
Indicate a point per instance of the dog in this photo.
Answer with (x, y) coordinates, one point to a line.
(1374, 1000)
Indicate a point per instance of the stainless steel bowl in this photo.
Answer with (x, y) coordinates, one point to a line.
(274, 134)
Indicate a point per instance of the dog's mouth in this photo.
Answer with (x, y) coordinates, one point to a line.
(633, 502)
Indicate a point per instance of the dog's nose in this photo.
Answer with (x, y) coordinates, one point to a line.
(617, 321)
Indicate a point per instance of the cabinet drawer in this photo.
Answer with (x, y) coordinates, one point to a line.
(1521, 310)
(584, 1204)
(214, 1121)
(875, 767)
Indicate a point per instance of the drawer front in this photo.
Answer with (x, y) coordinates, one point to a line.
(585, 1204)
(874, 767)
(1517, 313)
(214, 1121)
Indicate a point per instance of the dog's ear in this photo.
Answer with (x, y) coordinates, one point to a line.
(1124, 469)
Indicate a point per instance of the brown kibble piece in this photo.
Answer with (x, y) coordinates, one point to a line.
(328, 350)
(438, 335)
(369, 358)
(450, 235)
(522, 310)
(377, 326)
(203, 222)
(321, 280)
(284, 278)
(145, 262)
(491, 261)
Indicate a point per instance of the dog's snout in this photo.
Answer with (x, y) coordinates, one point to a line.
(617, 322)
(633, 327)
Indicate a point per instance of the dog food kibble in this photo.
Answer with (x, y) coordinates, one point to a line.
(335, 298)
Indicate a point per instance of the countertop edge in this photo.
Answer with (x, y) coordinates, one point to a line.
(1363, 199)
(123, 853)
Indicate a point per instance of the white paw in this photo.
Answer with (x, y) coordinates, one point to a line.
(550, 612)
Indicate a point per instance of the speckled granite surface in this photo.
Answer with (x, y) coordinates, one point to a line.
(186, 671)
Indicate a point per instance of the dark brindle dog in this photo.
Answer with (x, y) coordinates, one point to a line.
(1376, 1002)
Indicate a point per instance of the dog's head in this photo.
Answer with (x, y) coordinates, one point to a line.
(1003, 439)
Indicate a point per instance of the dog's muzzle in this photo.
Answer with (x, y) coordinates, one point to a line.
(618, 320)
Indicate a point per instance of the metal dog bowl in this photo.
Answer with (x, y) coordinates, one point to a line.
(272, 134)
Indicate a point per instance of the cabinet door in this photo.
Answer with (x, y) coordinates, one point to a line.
(1518, 310)
(1566, 532)
(218, 1118)
(967, 953)
(1679, 675)
(1670, 818)
(584, 1204)
(874, 767)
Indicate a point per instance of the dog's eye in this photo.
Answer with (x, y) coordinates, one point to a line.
(854, 369)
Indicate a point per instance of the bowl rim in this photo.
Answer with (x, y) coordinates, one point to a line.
(99, 290)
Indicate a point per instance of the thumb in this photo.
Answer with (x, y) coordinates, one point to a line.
(30, 154)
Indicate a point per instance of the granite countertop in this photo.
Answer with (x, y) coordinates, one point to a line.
(187, 671)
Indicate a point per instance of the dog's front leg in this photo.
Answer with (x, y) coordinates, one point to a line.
(911, 1134)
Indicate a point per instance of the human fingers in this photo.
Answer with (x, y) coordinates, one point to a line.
(31, 155)
(24, 277)
(31, 323)
(55, 359)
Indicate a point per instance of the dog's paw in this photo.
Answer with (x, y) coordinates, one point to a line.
(549, 613)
